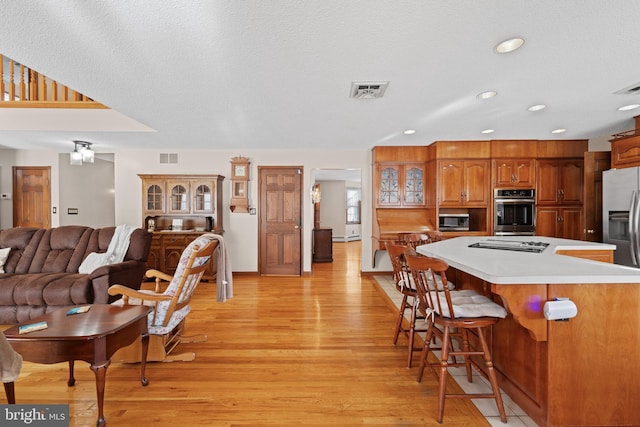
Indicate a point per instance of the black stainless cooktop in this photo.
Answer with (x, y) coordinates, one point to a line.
(511, 245)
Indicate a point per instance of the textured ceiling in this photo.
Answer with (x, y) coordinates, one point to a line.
(276, 74)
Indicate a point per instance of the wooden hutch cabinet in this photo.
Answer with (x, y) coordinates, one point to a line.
(195, 200)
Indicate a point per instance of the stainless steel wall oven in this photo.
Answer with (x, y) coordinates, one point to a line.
(514, 212)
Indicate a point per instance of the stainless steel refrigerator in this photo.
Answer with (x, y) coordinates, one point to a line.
(621, 214)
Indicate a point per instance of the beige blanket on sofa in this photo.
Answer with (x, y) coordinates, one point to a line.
(10, 361)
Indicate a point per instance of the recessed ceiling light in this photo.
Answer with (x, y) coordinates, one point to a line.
(559, 130)
(628, 107)
(488, 131)
(409, 131)
(486, 95)
(509, 45)
(537, 107)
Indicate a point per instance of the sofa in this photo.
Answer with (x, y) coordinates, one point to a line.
(40, 269)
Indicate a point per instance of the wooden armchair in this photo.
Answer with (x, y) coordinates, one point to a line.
(167, 320)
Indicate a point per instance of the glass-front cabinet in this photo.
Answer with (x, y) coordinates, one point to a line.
(194, 199)
(400, 184)
(178, 197)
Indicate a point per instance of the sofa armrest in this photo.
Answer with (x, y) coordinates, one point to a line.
(126, 273)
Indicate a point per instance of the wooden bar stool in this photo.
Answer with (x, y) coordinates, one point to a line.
(404, 285)
(455, 314)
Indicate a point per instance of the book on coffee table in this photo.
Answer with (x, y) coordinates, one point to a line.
(24, 329)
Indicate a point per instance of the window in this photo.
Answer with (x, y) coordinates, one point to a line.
(353, 205)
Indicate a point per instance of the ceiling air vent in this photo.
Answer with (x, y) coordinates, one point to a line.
(634, 89)
(368, 90)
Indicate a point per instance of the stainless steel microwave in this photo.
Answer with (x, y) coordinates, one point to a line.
(454, 222)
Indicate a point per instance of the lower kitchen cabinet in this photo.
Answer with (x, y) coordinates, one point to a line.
(565, 222)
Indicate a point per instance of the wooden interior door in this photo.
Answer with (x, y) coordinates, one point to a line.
(280, 231)
(32, 196)
(594, 163)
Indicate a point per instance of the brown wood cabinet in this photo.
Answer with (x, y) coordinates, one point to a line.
(195, 199)
(399, 184)
(559, 181)
(514, 173)
(463, 183)
(625, 152)
(564, 222)
(323, 245)
(166, 250)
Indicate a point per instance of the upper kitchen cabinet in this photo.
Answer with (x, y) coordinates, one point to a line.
(625, 147)
(560, 181)
(463, 183)
(514, 173)
(400, 184)
(513, 164)
(560, 172)
(463, 173)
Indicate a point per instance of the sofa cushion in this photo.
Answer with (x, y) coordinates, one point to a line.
(46, 289)
(61, 249)
(23, 242)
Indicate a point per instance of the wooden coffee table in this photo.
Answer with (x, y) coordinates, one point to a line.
(93, 336)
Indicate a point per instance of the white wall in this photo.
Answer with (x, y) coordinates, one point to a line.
(7, 160)
(241, 230)
(90, 190)
(333, 209)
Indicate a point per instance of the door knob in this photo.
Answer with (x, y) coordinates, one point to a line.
(591, 231)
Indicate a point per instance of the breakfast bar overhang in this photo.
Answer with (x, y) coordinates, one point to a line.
(584, 371)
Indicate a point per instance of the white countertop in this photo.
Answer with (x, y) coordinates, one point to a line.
(512, 267)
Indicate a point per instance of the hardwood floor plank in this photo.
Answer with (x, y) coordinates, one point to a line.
(313, 351)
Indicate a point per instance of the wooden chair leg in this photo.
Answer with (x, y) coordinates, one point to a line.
(9, 390)
(412, 332)
(403, 306)
(492, 375)
(443, 374)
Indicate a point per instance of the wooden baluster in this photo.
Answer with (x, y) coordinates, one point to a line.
(65, 93)
(33, 85)
(23, 88)
(12, 85)
(42, 87)
(1, 78)
(54, 90)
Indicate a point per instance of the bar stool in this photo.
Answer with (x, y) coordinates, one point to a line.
(404, 285)
(416, 239)
(454, 314)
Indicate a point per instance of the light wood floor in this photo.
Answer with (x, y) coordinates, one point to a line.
(284, 351)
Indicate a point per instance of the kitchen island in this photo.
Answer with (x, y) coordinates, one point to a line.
(584, 371)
